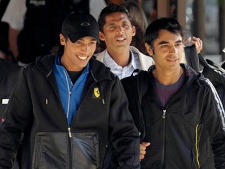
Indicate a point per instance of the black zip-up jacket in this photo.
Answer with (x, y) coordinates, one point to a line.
(188, 133)
(8, 77)
(35, 110)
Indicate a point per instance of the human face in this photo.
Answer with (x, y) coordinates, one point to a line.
(117, 31)
(167, 50)
(76, 55)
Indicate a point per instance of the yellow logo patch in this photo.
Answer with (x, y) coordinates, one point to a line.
(96, 92)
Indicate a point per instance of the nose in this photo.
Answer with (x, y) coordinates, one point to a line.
(120, 29)
(174, 49)
(85, 48)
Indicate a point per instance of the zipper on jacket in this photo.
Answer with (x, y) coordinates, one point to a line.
(164, 130)
(164, 114)
(69, 93)
(69, 131)
(197, 145)
(70, 148)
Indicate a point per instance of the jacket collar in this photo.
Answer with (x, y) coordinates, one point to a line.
(97, 69)
(146, 61)
(190, 75)
(188, 70)
(44, 64)
(191, 82)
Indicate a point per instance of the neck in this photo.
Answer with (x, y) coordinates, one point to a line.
(121, 57)
(168, 78)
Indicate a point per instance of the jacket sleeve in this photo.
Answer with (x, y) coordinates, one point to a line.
(214, 117)
(16, 117)
(123, 133)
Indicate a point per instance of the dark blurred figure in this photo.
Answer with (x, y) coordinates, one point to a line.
(9, 73)
(89, 6)
(3, 31)
(4, 45)
(153, 13)
(14, 19)
(41, 26)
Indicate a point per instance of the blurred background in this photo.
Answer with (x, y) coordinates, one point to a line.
(200, 18)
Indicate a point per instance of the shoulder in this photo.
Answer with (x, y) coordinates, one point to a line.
(8, 67)
(203, 83)
(135, 50)
(100, 71)
(42, 64)
(145, 60)
(139, 77)
(207, 84)
(100, 56)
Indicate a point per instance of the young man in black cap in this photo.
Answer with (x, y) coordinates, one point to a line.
(70, 108)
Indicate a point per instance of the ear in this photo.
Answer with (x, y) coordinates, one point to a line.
(149, 49)
(101, 36)
(133, 30)
(62, 39)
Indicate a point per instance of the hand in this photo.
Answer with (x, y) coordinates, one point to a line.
(195, 41)
(198, 44)
(143, 147)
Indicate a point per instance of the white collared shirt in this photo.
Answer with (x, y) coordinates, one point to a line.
(122, 72)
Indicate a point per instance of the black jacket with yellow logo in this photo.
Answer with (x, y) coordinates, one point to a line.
(101, 120)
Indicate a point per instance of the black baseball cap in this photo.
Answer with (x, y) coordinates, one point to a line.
(80, 24)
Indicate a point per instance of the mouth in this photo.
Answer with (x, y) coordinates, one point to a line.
(172, 59)
(82, 57)
(121, 39)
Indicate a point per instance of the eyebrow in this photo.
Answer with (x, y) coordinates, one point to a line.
(165, 42)
(93, 39)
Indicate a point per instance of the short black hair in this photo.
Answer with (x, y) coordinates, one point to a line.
(169, 24)
(111, 8)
